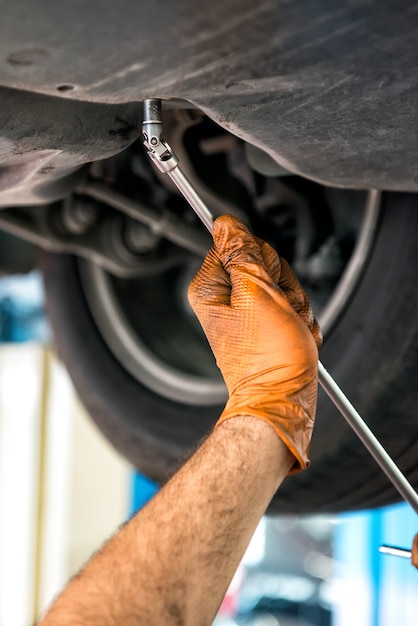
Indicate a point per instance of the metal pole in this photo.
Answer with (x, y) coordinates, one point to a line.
(394, 551)
(184, 185)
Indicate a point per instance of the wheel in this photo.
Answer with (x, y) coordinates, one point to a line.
(156, 394)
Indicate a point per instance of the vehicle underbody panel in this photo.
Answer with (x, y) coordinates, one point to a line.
(299, 118)
(329, 91)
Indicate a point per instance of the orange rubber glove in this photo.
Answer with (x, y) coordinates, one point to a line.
(261, 329)
(414, 555)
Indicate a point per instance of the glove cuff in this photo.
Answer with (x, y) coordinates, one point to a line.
(291, 422)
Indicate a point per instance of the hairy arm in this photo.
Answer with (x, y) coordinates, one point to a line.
(172, 563)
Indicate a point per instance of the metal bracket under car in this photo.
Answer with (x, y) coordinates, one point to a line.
(116, 242)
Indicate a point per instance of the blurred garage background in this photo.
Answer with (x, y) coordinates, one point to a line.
(63, 491)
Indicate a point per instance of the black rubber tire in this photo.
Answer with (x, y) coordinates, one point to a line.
(372, 353)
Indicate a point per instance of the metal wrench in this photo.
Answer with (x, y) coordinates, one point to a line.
(165, 160)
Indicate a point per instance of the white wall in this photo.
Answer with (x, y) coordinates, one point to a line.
(63, 489)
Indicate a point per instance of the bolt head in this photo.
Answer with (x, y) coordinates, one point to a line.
(139, 238)
(79, 215)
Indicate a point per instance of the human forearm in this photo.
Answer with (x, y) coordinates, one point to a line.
(172, 563)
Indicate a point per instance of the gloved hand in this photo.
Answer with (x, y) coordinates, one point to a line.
(261, 329)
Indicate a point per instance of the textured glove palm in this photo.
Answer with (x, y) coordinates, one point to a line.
(261, 329)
